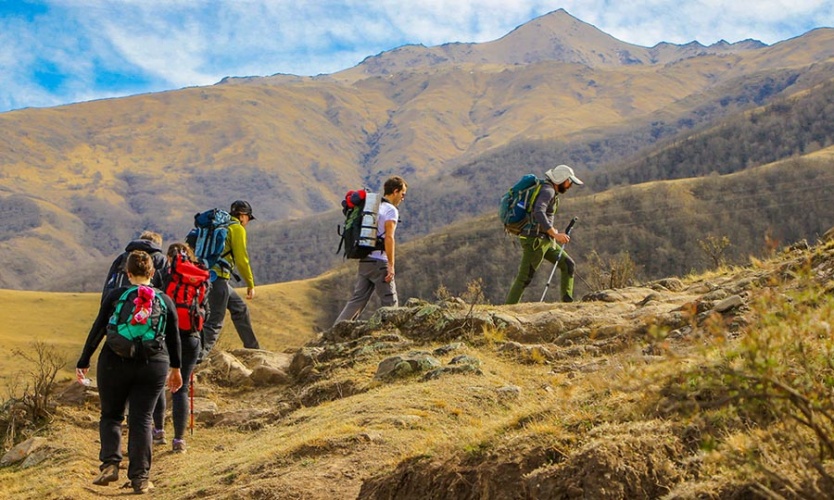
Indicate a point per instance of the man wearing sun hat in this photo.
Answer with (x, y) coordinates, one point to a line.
(540, 240)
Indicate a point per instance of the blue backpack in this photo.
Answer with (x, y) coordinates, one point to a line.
(517, 203)
(208, 238)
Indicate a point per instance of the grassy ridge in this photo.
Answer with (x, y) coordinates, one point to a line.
(283, 315)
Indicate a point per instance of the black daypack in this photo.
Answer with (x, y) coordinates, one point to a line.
(359, 235)
(117, 275)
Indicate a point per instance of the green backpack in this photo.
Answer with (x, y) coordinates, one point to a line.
(517, 203)
(131, 333)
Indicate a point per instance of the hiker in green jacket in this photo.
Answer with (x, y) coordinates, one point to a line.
(221, 295)
(540, 240)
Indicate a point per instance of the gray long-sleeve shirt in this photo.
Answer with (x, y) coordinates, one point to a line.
(544, 208)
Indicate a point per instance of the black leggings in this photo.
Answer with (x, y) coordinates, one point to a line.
(139, 383)
(190, 351)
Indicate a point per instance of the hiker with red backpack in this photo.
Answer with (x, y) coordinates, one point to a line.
(187, 284)
(138, 324)
(540, 240)
(376, 270)
(234, 260)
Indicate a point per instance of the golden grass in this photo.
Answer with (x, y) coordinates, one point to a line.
(61, 320)
(375, 429)
(283, 316)
(329, 449)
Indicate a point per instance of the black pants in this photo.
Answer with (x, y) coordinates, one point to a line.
(221, 297)
(139, 383)
(190, 350)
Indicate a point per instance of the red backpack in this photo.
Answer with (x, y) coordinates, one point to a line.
(188, 287)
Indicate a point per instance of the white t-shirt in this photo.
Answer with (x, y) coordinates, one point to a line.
(387, 212)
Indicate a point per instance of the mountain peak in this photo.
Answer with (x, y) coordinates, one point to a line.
(556, 36)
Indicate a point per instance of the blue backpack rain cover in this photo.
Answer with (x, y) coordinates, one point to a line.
(208, 238)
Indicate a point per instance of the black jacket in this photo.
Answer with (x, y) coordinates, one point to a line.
(99, 330)
(160, 264)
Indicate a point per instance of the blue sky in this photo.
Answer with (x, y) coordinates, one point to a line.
(55, 52)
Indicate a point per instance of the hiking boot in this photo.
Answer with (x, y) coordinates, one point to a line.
(109, 473)
(140, 486)
(567, 298)
(178, 446)
(159, 436)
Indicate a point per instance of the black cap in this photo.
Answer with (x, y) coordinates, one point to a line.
(241, 207)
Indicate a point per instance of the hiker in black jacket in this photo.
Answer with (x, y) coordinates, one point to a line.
(149, 242)
(137, 380)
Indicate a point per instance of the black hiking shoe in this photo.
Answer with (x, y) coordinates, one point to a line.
(567, 298)
(109, 473)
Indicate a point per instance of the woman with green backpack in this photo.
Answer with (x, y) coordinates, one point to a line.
(138, 324)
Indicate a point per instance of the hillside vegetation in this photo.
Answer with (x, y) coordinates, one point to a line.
(712, 386)
(91, 176)
(657, 225)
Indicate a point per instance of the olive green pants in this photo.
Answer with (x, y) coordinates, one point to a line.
(535, 250)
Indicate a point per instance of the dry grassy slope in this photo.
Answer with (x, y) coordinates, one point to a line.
(84, 148)
(294, 145)
(583, 423)
(31, 260)
(283, 315)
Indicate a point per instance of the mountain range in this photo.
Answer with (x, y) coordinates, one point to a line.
(459, 121)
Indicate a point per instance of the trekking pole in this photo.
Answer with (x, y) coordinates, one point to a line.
(191, 397)
(561, 251)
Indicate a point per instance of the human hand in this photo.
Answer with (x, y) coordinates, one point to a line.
(174, 380)
(561, 238)
(250, 293)
(81, 376)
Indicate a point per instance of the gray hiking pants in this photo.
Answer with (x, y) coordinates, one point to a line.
(221, 297)
(371, 278)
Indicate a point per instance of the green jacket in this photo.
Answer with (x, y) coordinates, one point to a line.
(236, 255)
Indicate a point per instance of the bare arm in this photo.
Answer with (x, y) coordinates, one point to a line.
(390, 247)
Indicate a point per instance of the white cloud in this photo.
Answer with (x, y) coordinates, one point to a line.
(164, 44)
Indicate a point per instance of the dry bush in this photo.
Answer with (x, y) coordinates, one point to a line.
(778, 378)
(615, 272)
(29, 405)
(714, 249)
